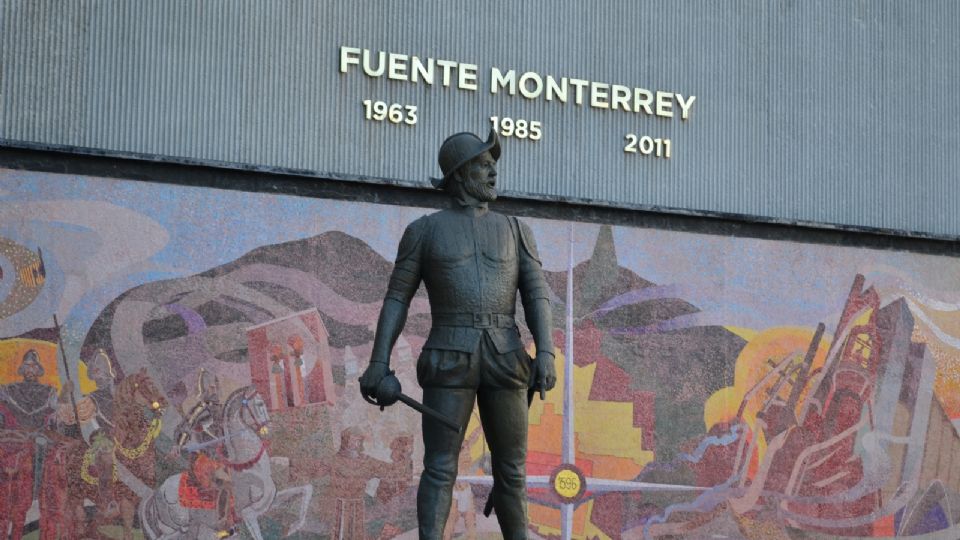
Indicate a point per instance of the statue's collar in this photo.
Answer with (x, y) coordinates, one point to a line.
(472, 206)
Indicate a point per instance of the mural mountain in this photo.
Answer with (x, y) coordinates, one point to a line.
(177, 326)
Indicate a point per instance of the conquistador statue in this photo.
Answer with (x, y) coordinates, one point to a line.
(473, 262)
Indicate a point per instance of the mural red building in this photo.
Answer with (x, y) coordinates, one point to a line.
(290, 360)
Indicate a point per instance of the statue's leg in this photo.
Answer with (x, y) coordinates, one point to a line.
(503, 413)
(441, 449)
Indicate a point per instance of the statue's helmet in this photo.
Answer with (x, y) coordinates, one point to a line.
(460, 148)
(30, 359)
(100, 366)
(207, 384)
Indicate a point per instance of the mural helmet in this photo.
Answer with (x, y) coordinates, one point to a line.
(100, 366)
(30, 358)
(208, 385)
(460, 148)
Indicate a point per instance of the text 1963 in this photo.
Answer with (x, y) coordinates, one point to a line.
(395, 113)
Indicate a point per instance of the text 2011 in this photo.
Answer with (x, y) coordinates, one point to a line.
(647, 146)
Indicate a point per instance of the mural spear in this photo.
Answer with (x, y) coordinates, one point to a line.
(66, 372)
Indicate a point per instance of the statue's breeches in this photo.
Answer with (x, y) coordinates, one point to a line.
(439, 368)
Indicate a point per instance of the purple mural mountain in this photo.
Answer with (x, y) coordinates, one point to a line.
(175, 326)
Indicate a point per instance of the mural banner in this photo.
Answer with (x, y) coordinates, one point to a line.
(203, 378)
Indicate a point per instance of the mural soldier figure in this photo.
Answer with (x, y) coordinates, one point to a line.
(350, 469)
(203, 431)
(399, 474)
(96, 408)
(473, 262)
(100, 370)
(30, 401)
(32, 405)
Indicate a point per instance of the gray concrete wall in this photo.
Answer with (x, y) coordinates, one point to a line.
(829, 112)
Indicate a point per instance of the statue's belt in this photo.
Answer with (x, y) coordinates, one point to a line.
(475, 320)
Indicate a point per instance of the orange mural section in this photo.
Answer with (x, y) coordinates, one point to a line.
(937, 336)
(11, 354)
(610, 449)
(766, 350)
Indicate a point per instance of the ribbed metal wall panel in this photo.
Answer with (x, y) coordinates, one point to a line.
(822, 111)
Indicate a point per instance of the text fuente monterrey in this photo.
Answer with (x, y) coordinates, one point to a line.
(530, 85)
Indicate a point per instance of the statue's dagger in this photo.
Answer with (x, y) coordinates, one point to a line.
(389, 392)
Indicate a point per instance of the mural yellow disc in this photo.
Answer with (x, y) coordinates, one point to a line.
(568, 483)
(27, 275)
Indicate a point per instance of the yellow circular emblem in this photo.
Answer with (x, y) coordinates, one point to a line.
(567, 483)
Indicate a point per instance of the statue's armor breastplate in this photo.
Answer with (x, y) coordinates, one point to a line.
(470, 263)
(473, 268)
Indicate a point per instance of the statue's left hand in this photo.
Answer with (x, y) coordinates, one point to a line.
(543, 376)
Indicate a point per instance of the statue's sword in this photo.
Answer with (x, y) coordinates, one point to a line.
(389, 392)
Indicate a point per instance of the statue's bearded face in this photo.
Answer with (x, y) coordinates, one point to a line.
(479, 177)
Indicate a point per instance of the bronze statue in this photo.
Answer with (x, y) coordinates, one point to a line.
(473, 262)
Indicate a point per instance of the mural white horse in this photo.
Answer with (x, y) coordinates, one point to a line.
(245, 420)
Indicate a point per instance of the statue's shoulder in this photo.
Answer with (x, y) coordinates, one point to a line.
(500, 217)
(527, 240)
(525, 229)
(422, 222)
(438, 220)
(416, 228)
(412, 236)
(440, 215)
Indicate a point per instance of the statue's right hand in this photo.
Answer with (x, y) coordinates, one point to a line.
(371, 378)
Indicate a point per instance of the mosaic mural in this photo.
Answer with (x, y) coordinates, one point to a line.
(179, 362)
